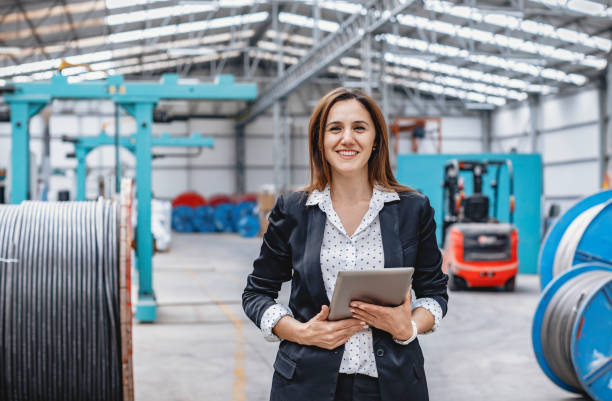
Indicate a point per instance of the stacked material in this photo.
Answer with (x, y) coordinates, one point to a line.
(221, 213)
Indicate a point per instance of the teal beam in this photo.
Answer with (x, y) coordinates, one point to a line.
(84, 145)
(21, 113)
(88, 143)
(114, 87)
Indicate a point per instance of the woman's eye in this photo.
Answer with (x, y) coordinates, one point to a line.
(334, 129)
(359, 128)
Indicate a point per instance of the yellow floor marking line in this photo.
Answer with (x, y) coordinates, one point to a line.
(239, 383)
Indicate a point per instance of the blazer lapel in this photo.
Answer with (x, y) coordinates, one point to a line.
(389, 230)
(314, 240)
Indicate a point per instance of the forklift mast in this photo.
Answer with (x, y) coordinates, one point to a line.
(473, 208)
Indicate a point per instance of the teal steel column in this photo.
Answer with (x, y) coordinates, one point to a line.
(20, 154)
(21, 112)
(81, 173)
(146, 306)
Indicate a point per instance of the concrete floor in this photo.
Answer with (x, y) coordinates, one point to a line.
(203, 347)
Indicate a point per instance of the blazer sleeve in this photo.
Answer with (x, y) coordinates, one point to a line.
(272, 267)
(429, 281)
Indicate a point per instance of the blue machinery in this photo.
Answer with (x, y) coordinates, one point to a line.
(138, 99)
(84, 145)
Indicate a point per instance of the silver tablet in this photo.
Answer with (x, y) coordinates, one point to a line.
(386, 287)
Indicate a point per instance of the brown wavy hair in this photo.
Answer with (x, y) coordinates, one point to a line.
(379, 167)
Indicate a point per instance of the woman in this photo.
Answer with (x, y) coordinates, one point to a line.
(353, 216)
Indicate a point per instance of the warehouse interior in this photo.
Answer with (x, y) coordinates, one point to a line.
(143, 144)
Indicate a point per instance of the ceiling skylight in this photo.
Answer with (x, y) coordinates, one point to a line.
(306, 22)
(297, 39)
(515, 23)
(87, 58)
(286, 49)
(157, 13)
(581, 6)
(342, 6)
(501, 40)
(493, 61)
(505, 20)
(112, 4)
(187, 27)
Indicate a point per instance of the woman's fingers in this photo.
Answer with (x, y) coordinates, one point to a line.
(368, 315)
(322, 315)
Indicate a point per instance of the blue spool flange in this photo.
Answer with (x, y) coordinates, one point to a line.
(551, 242)
(224, 217)
(243, 209)
(591, 346)
(593, 313)
(248, 226)
(182, 219)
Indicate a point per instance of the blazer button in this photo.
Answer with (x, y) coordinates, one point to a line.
(380, 352)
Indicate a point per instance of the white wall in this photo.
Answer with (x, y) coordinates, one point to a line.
(567, 137)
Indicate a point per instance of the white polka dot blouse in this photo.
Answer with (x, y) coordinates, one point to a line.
(361, 251)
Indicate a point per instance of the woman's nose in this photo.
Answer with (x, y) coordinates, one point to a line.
(347, 137)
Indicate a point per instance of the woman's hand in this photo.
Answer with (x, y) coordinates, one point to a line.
(394, 320)
(327, 334)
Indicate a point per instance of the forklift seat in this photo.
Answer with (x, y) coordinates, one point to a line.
(476, 208)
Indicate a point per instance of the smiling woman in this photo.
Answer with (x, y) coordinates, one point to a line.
(349, 118)
(354, 215)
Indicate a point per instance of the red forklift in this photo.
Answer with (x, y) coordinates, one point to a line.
(479, 250)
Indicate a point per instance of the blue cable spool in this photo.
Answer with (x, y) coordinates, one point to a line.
(182, 219)
(204, 219)
(572, 331)
(582, 234)
(243, 209)
(224, 214)
(203, 225)
(248, 226)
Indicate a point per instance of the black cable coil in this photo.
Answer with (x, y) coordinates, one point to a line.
(59, 302)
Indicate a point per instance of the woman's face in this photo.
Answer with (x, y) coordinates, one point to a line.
(348, 138)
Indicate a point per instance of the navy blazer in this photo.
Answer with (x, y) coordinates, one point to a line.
(291, 251)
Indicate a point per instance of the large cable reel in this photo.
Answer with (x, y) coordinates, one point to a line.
(65, 313)
(582, 235)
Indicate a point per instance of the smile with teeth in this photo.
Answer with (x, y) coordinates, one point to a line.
(347, 153)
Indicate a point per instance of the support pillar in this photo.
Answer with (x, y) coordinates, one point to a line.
(21, 113)
(485, 118)
(240, 148)
(146, 308)
(605, 125)
(534, 103)
(81, 173)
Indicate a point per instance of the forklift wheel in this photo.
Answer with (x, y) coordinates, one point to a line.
(456, 283)
(510, 284)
